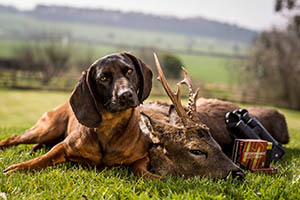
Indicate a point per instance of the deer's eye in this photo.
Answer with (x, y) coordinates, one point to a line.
(198, 152)
(200, 134)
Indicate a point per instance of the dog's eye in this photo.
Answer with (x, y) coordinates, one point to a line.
(129, 71)
(103, 78)
(198, 152)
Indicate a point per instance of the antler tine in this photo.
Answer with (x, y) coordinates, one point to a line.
(175, 98)
(192, 95)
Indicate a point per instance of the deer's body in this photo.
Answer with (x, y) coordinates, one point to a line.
(185, 148)
(193, 141)
(212, 112)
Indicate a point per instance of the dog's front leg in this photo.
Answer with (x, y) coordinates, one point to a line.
(139, 168)
(54, 156)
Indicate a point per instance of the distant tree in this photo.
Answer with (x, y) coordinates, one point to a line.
(274, 67)
(146, 54)
(286, 4)
(111, 36)
(85, 59)
(236, 49)
(48, 56)
(273, 70)
(172, 65)
(190, 43)
(293, 6)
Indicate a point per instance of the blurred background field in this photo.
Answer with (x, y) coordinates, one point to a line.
(207, 56)
(246, 52)
(47, 46)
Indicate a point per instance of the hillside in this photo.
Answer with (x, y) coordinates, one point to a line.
(191, 26)
(119, 29)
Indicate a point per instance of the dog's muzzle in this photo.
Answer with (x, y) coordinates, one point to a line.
(126, 98)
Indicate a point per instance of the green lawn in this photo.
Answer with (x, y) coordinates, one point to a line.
(20, 109)
(209, 69)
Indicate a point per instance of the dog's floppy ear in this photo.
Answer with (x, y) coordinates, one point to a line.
(144, 76)
(83, 102)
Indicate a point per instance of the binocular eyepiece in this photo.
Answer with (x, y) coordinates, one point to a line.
(240, 123)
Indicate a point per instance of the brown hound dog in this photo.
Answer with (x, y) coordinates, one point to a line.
(99, 125)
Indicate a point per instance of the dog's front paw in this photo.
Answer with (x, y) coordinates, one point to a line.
(13, 168)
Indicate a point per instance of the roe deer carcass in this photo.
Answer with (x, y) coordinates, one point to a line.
(212, 112)
(186, 150)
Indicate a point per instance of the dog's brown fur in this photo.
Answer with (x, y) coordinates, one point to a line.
(82, 135)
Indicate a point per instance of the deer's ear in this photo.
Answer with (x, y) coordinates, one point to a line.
(173, 116)
(156, 129)
(151, 127)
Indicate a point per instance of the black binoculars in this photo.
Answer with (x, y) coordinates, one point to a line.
(240, 123)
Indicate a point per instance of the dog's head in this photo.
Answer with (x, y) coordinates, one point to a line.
(115, 83)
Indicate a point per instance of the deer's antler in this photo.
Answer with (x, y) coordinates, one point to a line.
(175, 97)
(190, 118)
(192, 95)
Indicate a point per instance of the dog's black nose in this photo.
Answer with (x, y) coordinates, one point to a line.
(126, 97)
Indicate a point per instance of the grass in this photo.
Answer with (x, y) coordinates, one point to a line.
(209, 69)
(20, 109)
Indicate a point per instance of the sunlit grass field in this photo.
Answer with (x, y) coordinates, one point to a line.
(19, 110)
(210, 69)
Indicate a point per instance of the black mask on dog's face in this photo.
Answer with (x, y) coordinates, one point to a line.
(115, 82)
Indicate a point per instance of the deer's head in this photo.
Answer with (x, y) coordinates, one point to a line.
(186, 148)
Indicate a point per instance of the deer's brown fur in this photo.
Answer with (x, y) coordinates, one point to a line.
(185, 148)
(212, 111)
(189, 141)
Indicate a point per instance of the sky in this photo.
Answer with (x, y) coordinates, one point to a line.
(253, 14)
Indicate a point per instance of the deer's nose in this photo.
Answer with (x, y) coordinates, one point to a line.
(238, 174)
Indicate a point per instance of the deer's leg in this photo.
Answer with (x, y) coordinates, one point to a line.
(54, 156)
(139, 168)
